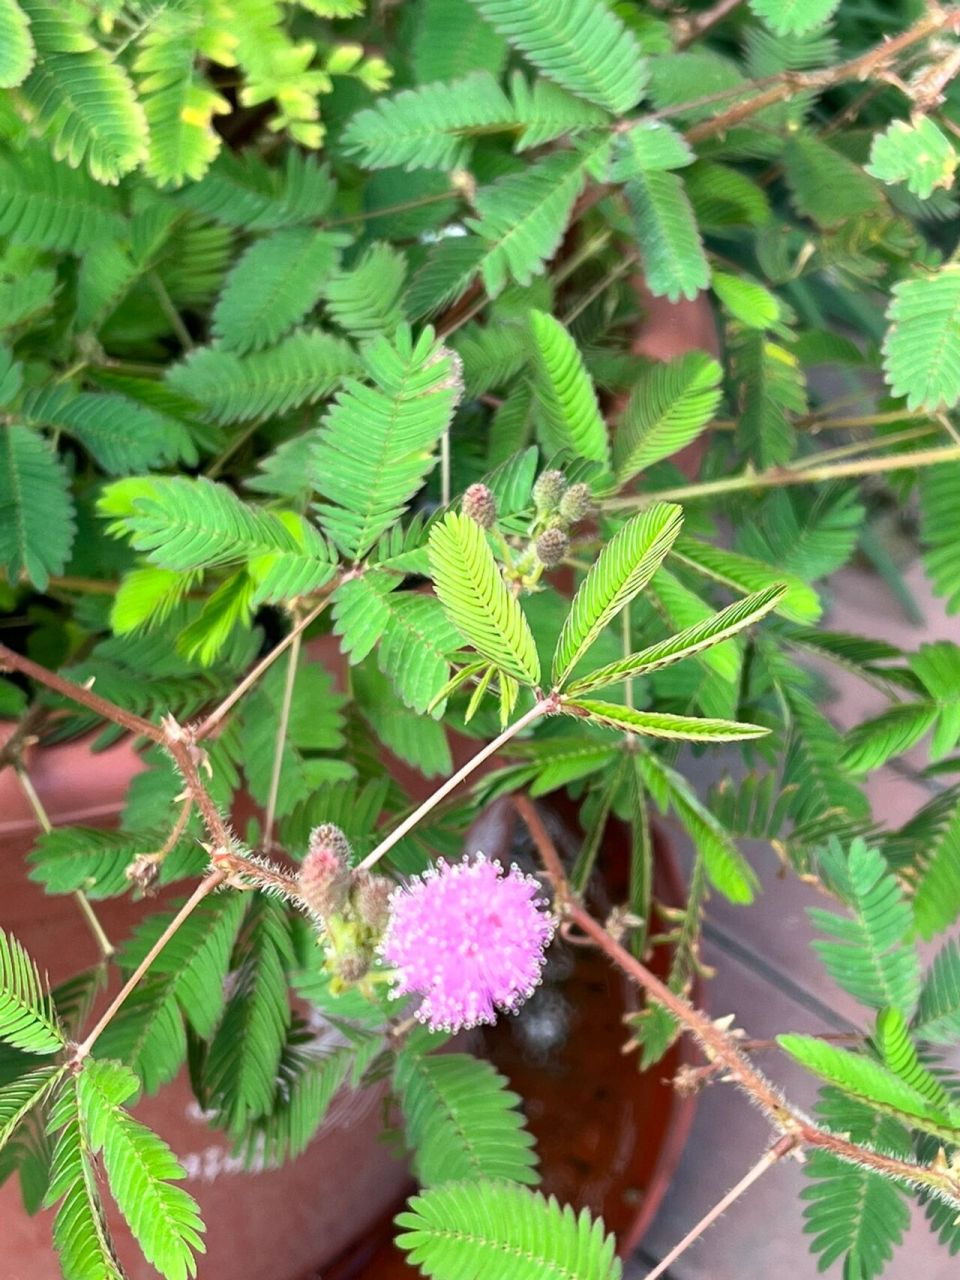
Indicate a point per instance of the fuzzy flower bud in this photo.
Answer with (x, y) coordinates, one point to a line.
(576, 502)
(327, 836)
(371, 899)
(469, 939)
(480, 505)
(552, 546)
(548, 491)
(324, 881)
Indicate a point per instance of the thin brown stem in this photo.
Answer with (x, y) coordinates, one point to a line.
(719, 1046)
(251, 678)
(542, 706)
(863, 67)
(11, 661)
(217, 464)
(283, 724)
(203, 889)
(781, 1148)
(104, 945)
(23, 735)
(92, 586)
(689, 29)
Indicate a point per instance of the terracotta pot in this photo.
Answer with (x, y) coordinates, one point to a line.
(609, 1137)
(275, 1223)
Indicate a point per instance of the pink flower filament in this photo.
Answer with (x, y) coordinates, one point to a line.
(469, 939)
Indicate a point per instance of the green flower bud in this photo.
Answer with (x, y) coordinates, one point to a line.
(548, 491)
(576, 502)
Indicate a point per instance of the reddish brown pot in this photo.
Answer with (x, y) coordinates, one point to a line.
(609, 1137)
(276, 1223)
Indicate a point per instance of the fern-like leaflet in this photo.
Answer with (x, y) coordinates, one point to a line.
(379, 442)
(464, 1229)
(140, 1169)
(461, 1120)
(624, 567)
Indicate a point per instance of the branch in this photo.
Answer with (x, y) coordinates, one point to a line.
(213, 719)
(105, 946)
(783, 1147)
(801, 474)
(205, 887)
(282, 725)
(542, 706)
(10, 661)
(863, 67)
(689, 29)
(719, 1046)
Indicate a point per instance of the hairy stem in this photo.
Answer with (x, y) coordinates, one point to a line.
(863, 67)
(541, 707)
(282, 726)
(781, 1148)
(203, 889)
(10, 661)
(777, 476)
(718, 1045)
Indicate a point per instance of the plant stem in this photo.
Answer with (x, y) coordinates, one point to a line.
(582, 255)
(251, 678)
(777, 476)
(93, 586)
(697, 25)
(716, 1042)
(292, 663)
(105, 946)
(863, 67)
(453, 194)
(781, 1148)
(11, 661)
(445, 468)
(614, 274)
(865, 446)
(203, 889)
(217, 464)
(543, 706)
(170, 311)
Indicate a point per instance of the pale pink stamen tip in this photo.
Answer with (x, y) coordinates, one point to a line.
(469, 939)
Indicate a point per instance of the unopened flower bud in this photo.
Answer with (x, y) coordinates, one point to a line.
(552, 546)
(324, 881)
(548, 491)
(576, 502)
(480, 505)
(371, 898)
(351, 967)
(327, 836)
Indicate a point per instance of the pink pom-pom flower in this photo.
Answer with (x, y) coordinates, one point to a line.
(469, 939)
